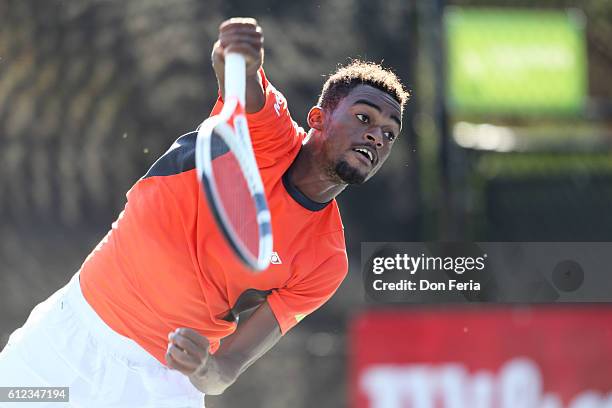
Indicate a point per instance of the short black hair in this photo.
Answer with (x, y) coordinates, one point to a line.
(357, 72)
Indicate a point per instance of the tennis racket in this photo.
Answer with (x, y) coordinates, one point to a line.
(228, 172)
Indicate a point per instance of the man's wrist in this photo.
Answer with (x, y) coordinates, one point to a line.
(255, 93)
(214, 376)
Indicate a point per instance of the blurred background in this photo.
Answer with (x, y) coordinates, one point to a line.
(507, 138)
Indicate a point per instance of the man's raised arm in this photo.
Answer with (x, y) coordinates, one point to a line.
(244, 36)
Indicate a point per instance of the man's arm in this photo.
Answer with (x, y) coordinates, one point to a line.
(305, 292)
(212, 374)
(244, 36)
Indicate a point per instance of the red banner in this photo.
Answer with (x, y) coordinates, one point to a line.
(541, 357)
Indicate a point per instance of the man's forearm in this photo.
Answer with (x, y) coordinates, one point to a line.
(255, 97)
(253, 338)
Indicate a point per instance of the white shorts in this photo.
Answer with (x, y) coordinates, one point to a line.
(64, 343)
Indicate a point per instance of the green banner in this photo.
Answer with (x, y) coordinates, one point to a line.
(509, 61)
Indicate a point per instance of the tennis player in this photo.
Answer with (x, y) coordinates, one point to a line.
(150, 320)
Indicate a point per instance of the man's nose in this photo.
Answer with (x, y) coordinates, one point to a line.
(376, 137)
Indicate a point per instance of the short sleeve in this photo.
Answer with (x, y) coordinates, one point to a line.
(273, 132)
(311, 289)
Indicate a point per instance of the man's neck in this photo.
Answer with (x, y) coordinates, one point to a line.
(309, 175)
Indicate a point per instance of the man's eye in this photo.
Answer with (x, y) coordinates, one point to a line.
(390, 136)
(363, 118)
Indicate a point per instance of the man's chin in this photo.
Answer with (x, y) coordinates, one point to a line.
(349, 174)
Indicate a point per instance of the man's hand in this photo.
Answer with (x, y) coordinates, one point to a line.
(243, 36)
(187, 351)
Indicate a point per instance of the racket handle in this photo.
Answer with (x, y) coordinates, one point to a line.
(235, 76)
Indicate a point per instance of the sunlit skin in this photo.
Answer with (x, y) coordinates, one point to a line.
(367, 117)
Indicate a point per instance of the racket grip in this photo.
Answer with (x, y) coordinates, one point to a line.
(235, 76)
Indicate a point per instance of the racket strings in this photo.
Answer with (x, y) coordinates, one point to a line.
(235, 197)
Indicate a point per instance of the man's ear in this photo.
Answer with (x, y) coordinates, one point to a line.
(316, 115)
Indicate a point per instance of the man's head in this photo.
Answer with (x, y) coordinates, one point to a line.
(358, 117)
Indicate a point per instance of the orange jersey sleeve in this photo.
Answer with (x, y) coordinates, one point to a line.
(308, 290)
(273, 131)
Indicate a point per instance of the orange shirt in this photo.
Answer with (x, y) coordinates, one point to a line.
(165, 264)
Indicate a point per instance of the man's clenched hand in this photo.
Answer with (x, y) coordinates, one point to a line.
(243, 36)
(187, 351)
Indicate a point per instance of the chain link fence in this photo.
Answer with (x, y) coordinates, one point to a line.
(539, 176)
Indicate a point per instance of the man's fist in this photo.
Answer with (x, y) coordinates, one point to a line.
(241, 35)
(187, 351)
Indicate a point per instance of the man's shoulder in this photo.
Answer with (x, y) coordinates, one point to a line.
(333, 223)
(329, 232)
(329, 250)
(179, 158)
(171, 175)
(317, 236)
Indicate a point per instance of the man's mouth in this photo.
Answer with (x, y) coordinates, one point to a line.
(365, 152)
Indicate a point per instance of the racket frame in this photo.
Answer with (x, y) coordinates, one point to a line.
(237, 138)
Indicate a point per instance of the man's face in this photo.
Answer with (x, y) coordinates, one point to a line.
(360, 133)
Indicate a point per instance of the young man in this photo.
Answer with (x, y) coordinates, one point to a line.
(151, 317)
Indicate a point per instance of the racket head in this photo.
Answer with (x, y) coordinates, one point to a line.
(231, 181)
